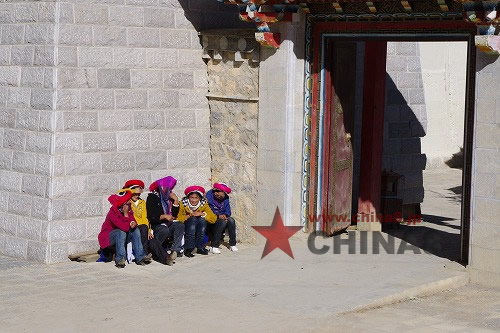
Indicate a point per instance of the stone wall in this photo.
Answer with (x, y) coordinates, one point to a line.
(27, 90)
(485, 228)
(93, 93)
(233, 76)
(256, 101)
(405, 120)
(131, 104)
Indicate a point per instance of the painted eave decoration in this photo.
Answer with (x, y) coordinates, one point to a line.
(485, 14)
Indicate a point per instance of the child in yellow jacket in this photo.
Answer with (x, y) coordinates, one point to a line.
(139, 209)
(151, 245)
(195, 212)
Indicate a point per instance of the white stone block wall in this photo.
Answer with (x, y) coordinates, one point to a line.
(27, 95)
(485, 222)
(93, 93)
(405, 120)
(131, 104)
(425, 108)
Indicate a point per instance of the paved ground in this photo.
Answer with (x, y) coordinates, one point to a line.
(7, 263)
(239, 292)
(216, 292)
(439, 232)
(467, 309)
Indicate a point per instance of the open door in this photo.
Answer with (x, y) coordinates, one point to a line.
(340, 83)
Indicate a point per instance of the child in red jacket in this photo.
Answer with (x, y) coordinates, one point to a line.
(119, 228)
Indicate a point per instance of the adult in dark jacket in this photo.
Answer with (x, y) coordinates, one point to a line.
(150, 244)
(162, 206)
(218, 200)
(119, 228)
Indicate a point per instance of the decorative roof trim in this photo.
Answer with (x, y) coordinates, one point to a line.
(485, 14)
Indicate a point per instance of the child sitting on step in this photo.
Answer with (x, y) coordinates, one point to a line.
(218, 200)
(149, 242)
(119, 228)
(195, 212)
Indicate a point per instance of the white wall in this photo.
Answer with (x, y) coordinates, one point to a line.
(279, 161)
(78, 79)
(443, 73)
(485, 225)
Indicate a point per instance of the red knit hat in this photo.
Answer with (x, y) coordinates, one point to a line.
(118, 200)
(222, 187)
(194, 189)
(133, 183)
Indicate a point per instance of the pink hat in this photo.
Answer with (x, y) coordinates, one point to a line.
(222, 187)
(194, 189)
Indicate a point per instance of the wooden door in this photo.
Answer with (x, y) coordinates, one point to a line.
(340, 81)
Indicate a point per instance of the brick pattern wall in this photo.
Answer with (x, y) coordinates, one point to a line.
(93, 93)
(27, 55)
(131, 104)
(405, 120)
(485, 244)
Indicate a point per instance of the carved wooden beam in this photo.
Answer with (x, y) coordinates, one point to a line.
(236, 45)
(485, 14)
(263, 20)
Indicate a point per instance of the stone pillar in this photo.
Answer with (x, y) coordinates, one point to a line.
(233, 93)
(281, 107)
(485, 223)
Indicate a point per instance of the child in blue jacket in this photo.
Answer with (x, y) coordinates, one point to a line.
(218, 200)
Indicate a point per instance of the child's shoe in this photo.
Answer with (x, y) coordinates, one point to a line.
(148, 258)
(171, 256)
(121, 263)
(202, 251)
(189, 253)
(234, 248)
(215, 250)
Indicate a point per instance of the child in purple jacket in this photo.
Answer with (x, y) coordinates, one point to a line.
(218, 200)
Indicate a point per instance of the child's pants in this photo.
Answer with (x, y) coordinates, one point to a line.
(195, 232)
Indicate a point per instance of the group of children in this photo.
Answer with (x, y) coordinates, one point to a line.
(156, 227)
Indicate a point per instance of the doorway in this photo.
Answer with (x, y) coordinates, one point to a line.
(352, 143)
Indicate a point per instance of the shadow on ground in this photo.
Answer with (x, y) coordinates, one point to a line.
(440, 220)
(436, 242)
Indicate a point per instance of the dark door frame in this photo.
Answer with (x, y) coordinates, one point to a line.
(395, 31)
